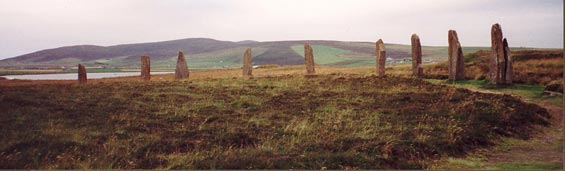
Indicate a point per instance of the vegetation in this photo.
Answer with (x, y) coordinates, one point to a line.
(27, 71)
(326, 55)
(95, 70)
(542, 67)
(341, 118)
(328, 121)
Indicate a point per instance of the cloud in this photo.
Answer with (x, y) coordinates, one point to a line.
(31, 25)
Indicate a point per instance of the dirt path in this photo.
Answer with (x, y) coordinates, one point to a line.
(543, 150)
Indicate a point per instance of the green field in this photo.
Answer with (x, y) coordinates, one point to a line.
(325, 55)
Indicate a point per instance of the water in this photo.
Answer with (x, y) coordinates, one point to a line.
(74, 76)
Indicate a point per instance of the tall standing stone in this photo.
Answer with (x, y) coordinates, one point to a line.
(497, 54)
(145, 68)
(456, 61)
(381, 57)
(500, 63)
(450, 60)
(81, 74)
(417, 69)
(508, 67)
(181, 72)
(247, 63)
(459, 63)
(309, 59)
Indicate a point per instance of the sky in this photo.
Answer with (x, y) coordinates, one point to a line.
(32, 25)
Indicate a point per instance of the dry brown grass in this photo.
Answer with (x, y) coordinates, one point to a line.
(530, 67)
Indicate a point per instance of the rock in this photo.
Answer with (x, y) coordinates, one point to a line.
(459, 63)
(381, 57)
(417, 69)
(145, 68)
(181, 72)
(496, 62)
(509, 71)
(456, 61)
(554, 86)
(452, 39)
(81, 74)
(247, 63)
(500, 62)
(309, 59)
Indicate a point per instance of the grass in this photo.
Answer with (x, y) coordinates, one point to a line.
(543, 67)
(326, 55)
(28, 71)
(95, 70)
(229, 58)
(526, 166)
(342, 118)
(333, 121)
(528, 91)
(478, 163)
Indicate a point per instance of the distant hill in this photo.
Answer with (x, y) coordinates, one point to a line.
(210, 53)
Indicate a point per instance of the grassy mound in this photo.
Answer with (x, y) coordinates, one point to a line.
(327, 121)
(542, 67)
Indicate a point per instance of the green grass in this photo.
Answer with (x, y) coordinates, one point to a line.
(95, 70)
(528, 91)
(478, 163)
(229, 58)
(287, 122)
(326, 55)
(28, 71)
(529, 166)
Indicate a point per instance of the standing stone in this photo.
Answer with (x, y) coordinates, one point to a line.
(381, 57)
(181, 72)
(500, 64)
(508, 67)
(309, 59)
(450, 60)
(81, 74)
(456, 61)
(497, 54)
(459, 63)
(145, 68)
(417, 69)
(247, 63)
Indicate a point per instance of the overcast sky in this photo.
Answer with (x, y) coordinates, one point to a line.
(32, 25)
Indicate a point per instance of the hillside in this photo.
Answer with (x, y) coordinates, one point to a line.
(210, 53)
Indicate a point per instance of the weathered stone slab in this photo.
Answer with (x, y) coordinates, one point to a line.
(417, 69)
(497, 55)
(459, 62)
(500, 62)
(81, 74)
(309, 59)
(145, 68)
(508, 67)
(456, 61)
(247, 63)
(181, 71)
(380, 57)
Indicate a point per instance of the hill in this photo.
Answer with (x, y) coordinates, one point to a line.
(210, 53)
